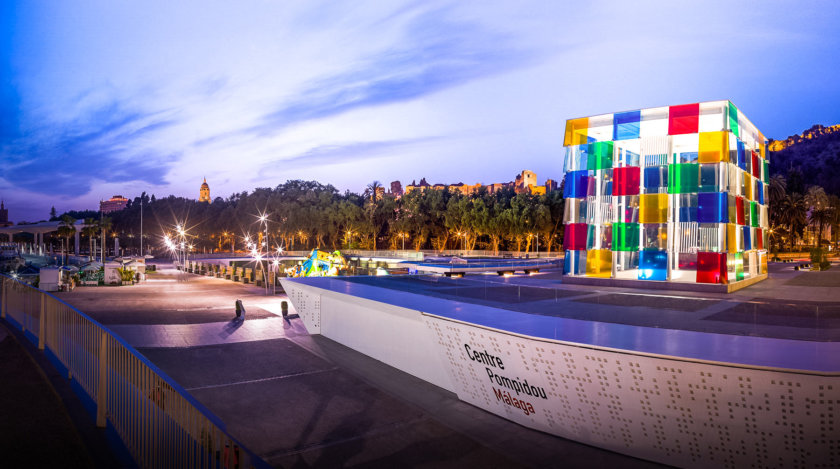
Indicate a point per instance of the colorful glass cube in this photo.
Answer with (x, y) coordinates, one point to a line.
(674, 193)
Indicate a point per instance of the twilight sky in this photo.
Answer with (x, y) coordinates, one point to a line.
(117, 97)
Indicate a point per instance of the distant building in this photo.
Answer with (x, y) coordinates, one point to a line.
(525, 182)
(396, 188)
(4, 216)
(114, 204)
(204, 192)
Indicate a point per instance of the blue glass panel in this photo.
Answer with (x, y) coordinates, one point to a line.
(747, 240)
(576, 184)
(712, 207)
(575, 263)
(653, 265)
(656, 177)
(626, 125)
(760, 193)
(742, 156)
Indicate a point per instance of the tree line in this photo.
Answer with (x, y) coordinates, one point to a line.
(301, 215)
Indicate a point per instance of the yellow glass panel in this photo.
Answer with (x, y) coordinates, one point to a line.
(653, 208)
(748, 186)
(731, 238)
(576, 131)
(714, 147)
(599, 263)
(762, 148)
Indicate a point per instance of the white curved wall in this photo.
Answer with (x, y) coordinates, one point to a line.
(675, 411)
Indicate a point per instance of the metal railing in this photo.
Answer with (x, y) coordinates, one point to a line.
(159, 423)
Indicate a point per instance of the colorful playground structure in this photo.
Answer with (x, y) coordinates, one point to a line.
(319, 264)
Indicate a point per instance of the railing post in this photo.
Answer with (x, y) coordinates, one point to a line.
(101, 398)
(3, 302)
(42, 320)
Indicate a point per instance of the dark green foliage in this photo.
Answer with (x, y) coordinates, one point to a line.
(306, 214)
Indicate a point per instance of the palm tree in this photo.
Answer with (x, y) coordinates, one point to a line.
(819, 211)
(66, 230)
(371, 188)
(90, 230)
(793, 215)
(105, 225)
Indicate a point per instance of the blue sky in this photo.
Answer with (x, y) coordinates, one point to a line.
(104, 97)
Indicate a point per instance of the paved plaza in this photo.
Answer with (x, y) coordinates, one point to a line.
(299, 400)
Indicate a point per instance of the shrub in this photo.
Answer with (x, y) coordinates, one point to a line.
(825, 265)
(817, 256)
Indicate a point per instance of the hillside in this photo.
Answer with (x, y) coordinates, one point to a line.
(816, 152)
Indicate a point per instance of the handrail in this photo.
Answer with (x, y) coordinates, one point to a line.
(157, 420)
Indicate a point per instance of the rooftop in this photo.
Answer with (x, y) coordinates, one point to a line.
(790, 321)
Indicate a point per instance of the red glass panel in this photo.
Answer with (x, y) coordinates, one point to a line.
(756, 165)
(759, 240)
(711, 267)
(626, 180)
(739, 210)
(683, 119)
(574, 238)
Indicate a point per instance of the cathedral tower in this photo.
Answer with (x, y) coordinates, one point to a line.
(204, 192)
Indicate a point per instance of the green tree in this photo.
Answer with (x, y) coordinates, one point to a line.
(793, 216)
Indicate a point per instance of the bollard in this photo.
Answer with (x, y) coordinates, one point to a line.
(284, 308)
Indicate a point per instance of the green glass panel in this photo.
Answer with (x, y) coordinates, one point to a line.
(753, 214)
(733, 119)
(600, 155)
(625, 237)
(683, 178)
(766, 173)
(739, 266)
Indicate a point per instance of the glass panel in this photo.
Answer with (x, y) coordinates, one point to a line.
(626, 237)
(711, 267)
(600, 155)
(653, 265)
(626, 125)
(713, 207)
(733, 119)
(627, 208)
(653, 208)
(714, 147)
(683, 119)
(599, 263)
(576, 130)
(683, 208)
(626, 180)
(656, 180)
(654, 236)
(574, 236)
(683, 178)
